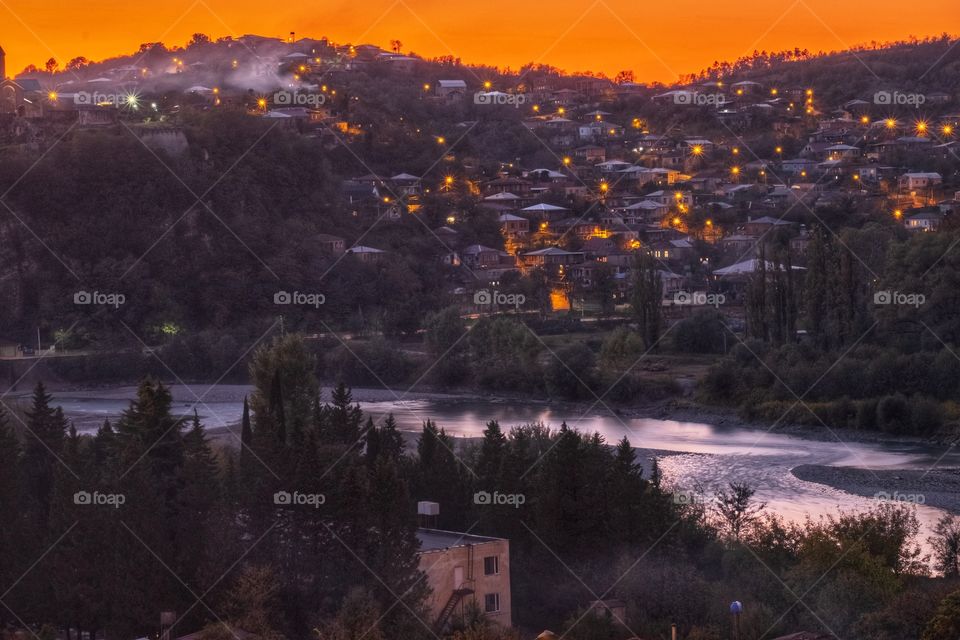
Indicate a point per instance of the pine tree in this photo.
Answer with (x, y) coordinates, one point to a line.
(344, 417)
(492, 451)
(45, 428)
(391, 440)
(647, 299)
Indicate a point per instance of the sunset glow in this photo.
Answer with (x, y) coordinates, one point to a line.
(603, 37)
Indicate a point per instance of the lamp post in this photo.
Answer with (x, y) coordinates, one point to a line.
(736, 609)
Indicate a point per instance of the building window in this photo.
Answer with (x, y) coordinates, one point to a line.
(491, 565)
(491, 603)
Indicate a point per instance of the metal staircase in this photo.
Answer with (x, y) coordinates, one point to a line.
(459, 593)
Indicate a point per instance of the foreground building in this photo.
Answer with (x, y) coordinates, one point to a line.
(464, 570)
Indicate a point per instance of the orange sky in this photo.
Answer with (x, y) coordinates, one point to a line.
(658, 40)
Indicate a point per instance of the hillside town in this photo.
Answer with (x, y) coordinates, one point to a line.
(760, 164)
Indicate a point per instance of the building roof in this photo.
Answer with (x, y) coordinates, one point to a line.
(363, 249)
(438, 540)
(552, 251)
(543, 206)
(747, 267)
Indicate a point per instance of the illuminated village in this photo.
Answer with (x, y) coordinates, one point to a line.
(731, 166)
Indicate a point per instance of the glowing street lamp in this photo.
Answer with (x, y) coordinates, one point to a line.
(487, 84)
(441, 140)
(890, 123)
(604, 187)
(697, 150)
(865, 120)
(566, 161)
(921, 127)
(898, 214)
(947, 130)
(426, 87)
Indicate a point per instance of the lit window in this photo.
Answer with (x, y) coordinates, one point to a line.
(491, 602)
(491, 565)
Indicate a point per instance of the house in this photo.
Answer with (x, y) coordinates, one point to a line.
(511, 225)
(915, 181)
(551, 256)
(404, 184)
(591, 153)
(451, 90)
(927, 221)
(367, 254)
(760, 226)
(478, 256)
(465, 570)
(739, 243)
(508, 184)
(333, 245)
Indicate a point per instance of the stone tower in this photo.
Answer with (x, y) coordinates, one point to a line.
(3, 65)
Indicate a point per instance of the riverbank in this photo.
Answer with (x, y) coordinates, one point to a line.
(936, 487)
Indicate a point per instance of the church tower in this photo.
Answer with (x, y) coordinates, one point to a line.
(3, 65)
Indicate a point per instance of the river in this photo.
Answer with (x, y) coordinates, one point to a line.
(702, 456)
